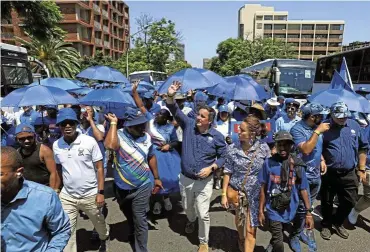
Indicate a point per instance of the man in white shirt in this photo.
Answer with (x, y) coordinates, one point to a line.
(79, 159)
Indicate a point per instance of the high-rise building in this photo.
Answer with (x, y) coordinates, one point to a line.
(90, 26)
(309, 38)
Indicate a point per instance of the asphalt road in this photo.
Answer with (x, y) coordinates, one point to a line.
(167, 234)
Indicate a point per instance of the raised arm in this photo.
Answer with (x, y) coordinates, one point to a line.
(180, 117)
(139, 103)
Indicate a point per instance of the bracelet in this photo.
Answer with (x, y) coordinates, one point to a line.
(157, 179)
(170, 96)
(317, 132)
(113, 123)
(223, 194)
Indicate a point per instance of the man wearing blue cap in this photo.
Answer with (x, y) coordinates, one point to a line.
(149, 103)
(133, 162)
(202, 154)
(288, 119)
(307, 136)
(39, 164)
(80, 161)
(29, 115)
(32, 218)
(344, 150)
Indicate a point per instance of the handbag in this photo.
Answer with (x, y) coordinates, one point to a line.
(235, 197)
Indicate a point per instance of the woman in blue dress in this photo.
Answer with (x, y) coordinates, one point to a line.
(244, 160)
(164, 139)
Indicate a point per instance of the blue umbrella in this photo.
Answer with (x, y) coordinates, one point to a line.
(146, 85)
(109, 98)
(128, 89)
(80, 91)
(37, 95)
(103, 85)
(354, 101)
(61, 83)
(103, 73)
(240, 88)
(80, 83)
(191, 79)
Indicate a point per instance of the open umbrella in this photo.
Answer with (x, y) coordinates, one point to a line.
(240, 88)
(80, 91)
(109, 98)
(80, 83)
(128, 89)
(103, 73)
(61, 83)
(37, 95)
(191, 79)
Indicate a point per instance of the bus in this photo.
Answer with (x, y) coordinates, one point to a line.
(287, 77)
(358, 63)
(149, 76)
(15, 68)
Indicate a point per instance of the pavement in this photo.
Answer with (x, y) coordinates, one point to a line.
(166, 232)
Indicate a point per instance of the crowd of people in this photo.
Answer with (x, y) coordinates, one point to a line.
(54, 162)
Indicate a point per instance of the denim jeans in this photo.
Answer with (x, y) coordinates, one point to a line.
(134, 205)
(299, 219)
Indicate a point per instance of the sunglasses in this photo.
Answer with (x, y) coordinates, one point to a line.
(22, 139)
(68, 122)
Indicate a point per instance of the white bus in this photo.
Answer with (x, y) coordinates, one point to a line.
(149, 76)
(358, 63)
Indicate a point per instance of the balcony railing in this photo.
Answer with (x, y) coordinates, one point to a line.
(97, 25)
(98, 41)
(105, 14)
(106, 28)
(96, 8)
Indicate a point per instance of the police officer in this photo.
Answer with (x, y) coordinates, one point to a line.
(344, 150)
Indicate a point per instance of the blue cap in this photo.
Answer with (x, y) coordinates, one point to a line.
(340, 110)
(133, 116)
(292, 101)
(66, 114)
(200, 96)
(223, 108)
(23, 127)
(281, 97)
(148, 95)
(41, 121)
(314, 109)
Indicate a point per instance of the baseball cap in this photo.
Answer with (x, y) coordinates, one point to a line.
(200, 96)
(223, 108)
(41, 121)
(283, 136)
(133, 116)
(281, 97)
(314, 109)
(340, 110)
(23, 127)
(66, 114)
(292, 101)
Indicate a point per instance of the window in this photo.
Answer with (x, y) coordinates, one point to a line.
(320, 44)
(321, 36)
(241, 30)
(280, 17)
(306, 53)
(267, 27)
(259, 25)
(258, 17)
(293, 36)
(337, 27)
(337, 36)
(354, 64)
(307, 36)
(365, 68)
(331, 44)
(306, 44)
(296, 27)
(267, 35)
(321, 27)
(279, 36)
(279, 27)
(308, 27)
(296, 44)
(319, 53)
(268, 17)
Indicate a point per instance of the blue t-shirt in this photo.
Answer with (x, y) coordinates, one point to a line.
(270, 175)
(301, 132)
(285, 123)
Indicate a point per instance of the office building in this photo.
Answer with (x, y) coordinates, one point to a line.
(309, 38)
(355, 45)
(90, 26)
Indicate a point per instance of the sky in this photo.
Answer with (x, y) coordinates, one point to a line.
(205, 24)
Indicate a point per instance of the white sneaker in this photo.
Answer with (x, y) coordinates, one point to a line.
(167, 204)
(157, 209)
(218, 184)
(352, 217)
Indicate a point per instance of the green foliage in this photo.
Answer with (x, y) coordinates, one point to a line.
(236, 54)
(176, 65)
(60, 57)
(40, 17)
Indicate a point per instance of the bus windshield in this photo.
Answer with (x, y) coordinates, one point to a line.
(296, 80)
(149, 76)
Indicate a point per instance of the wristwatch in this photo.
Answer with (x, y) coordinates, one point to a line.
(101, 192)
(310, 210)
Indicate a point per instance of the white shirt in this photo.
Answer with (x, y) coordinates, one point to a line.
(179, 132)
(78, 170)
(223, 127)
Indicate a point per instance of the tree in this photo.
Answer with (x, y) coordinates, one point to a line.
(60, 57)
(40, 17)
(236, 54)
(176, 65)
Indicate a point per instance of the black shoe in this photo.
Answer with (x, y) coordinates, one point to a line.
(325, 233)
(104, 244)
(341, 231)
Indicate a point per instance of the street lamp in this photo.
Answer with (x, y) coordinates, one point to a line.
(131, 36)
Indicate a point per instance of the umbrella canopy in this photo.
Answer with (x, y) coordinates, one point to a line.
(109, 98)
(240, 88)
(128, 89)
(103, 85)
(354, 101)
(61, 83)
(103, 73)
(80, 83)
(37, 95)
(191, 79)
(80, 91)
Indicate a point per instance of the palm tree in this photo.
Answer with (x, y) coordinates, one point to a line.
(60, 57)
